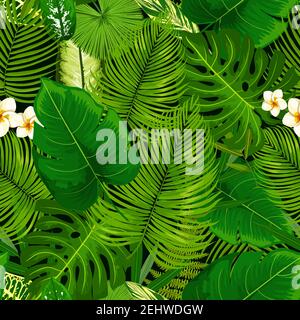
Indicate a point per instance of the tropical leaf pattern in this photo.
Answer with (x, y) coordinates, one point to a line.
(149, 150)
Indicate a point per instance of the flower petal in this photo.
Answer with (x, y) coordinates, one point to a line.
(15, 119)
(30, 134)
(289, 120)
(277, 94)
(29, 113)
(8, 104)
(4, 127)
(275, 111)
(297, 130)
(293, 105)
(266, 106)
(22, 132)
(268, 96)
(282, 104)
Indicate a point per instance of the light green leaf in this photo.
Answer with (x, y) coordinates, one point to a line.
(167, 12)
(250, 276)
(76, 68)
(16, 287)
(139, 292)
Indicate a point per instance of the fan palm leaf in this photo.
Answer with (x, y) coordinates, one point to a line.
(106, 28)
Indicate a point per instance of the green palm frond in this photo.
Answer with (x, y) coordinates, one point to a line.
(218, 248)
(288, 43)
(147, 80)
(107, 27)
(167, 12)
(76, 68)
(20, 187)
(67, 247)
(162, 204)
(27, 53)
(277, 166)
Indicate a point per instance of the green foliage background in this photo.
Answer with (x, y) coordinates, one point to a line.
(71, 228)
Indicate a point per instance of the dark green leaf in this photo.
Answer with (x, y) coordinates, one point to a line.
(250, 276)
(260, 20)
(54, 290)
(72, 120)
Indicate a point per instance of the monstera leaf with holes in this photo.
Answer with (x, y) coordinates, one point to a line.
(107, 27)
(20, 187)
(141, 94)
(67, 247)
(27, 53)
(159, 209)
(277, 167)
(60, 17)
(249, 217)
(260, 20)
(249, 276)
(67, 155)
(230, 76)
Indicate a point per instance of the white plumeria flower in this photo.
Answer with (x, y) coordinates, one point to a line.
(292, 118)
(274, 102)
(8, 116)
(25, 128)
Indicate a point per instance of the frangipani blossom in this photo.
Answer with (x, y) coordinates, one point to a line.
(25, 128)
(292, 118)
(274, 102)
(8, 117)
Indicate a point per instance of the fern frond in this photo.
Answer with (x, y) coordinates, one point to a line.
(20, 187)
(277, 167)
(162, 205)
(166, 12)
(27, 53)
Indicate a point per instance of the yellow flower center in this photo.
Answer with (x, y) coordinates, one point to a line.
(297, 117)
(1, 116)
(274, 104)
(28, 125)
